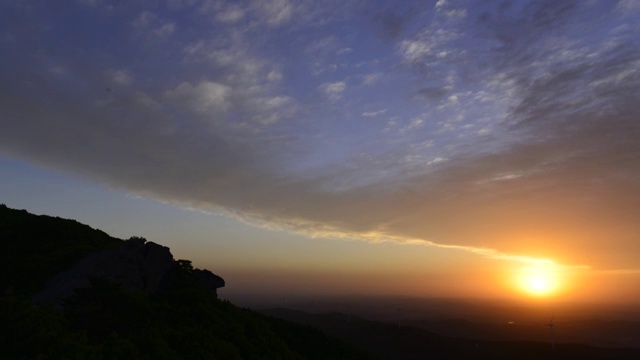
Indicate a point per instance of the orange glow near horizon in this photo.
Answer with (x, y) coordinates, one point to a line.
(539, 280)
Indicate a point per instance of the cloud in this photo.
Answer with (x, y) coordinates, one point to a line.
(323, 46)
(276, 12)
(270, 110)
(445, 8)
(231, 14)
(326, 54)
(145, 19)
(148, 24)
(440, 4)
(530, 151)
(164, 30)
(333, 90)
(429, 46)
(628, 6)
(274, 76)
(233, 60)
(206, 97)
(371, 78)
(120, 77)
(374, 113)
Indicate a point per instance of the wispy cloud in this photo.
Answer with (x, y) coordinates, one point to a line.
(374, 113)
(276, 12)
(205, 97)
(231, 14)
(119, 77)
(164, 30)
(333, 90)
(370, 79)
(145, 19)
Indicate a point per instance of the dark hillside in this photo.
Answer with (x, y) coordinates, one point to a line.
(118, 315)
(33, 248)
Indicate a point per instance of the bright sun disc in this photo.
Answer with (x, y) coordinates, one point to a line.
(538, 280)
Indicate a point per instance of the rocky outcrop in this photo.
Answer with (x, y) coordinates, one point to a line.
(209, 279)
(137, 265)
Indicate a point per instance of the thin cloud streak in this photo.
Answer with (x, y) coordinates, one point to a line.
(324, 232)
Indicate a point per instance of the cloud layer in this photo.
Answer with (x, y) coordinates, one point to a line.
(511, 126)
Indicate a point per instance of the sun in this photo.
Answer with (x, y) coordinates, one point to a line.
(539, 280)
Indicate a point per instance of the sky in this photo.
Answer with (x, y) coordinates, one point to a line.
(418, 147)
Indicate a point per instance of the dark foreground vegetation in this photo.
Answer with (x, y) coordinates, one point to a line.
(183, 319)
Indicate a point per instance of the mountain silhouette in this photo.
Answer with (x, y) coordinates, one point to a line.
(73, 292)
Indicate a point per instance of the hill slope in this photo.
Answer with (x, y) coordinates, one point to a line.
(111, 318)
(33, 248)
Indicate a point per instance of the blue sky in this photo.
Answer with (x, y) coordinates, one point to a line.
(497, 129)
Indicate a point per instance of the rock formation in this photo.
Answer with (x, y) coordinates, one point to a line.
(137, 265)
(209, 279)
